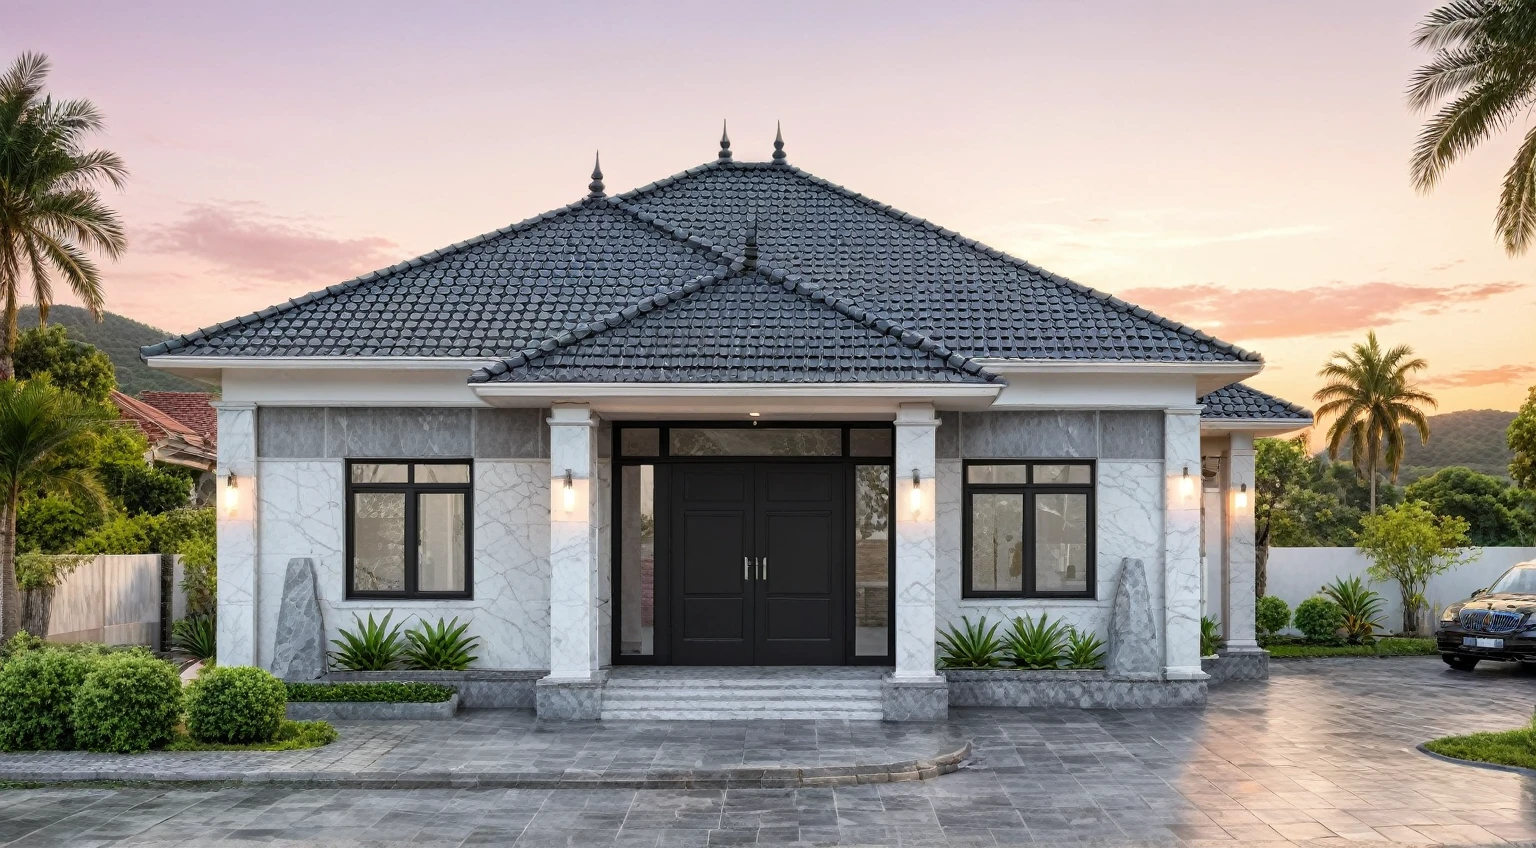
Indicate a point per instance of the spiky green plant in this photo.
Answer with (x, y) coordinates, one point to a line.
(374, 647)
(1037, 644)
(970, 646)
(195, 636)
(1362, 608)
(1084, 650)
(440, 647)
(1210, 636)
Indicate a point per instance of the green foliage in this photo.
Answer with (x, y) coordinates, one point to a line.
(200, 576)
(440, 647)
(1273, 615)
(1387, 647)
(37, 697)
(416, 693)
(174, 529)
(970, 645)
(235, 705)
(53, 524)
(1210, 636)
(374, 647)
(1507, 748)
(42, 571)
(1409, 544)
(128, 703)
(1521, 438)
(142, 489)
(119, 338)
(1084, 650)
(1360, 606)
(19, 644)
(1036, 643)
(122, 534)
(196, 636)
(1497, 513)
(290, 736)
(71, 365)
(1318, 618)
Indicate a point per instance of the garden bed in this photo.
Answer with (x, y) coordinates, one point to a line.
(1391, 646)
(501, 689)
(1510, 748)
(291, 736)
(1071, 688)
(376, 701)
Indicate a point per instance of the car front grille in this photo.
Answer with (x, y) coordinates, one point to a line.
(1489, 621)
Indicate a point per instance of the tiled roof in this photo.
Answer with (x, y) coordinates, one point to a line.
(1244, 403)
(154, 423)
(744, 328)
(190, 408)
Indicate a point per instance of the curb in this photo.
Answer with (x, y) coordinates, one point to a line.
(1475, 763)
(741, 778)
(374, 710)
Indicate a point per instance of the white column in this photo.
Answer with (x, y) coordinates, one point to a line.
(916, 546)
(572, 545)
(1237, 506)
(239, 546)
(1181, 544)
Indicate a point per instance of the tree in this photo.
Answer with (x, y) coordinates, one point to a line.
(1522, 440)
(1370, 395)
(71, 365)
(1409, 544)
(51, 213)
(1280, 466)
(39, 426)
(1484, 67)
(1495, 512)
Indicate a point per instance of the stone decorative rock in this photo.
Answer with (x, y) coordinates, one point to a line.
(299, 652)
(1133, 646)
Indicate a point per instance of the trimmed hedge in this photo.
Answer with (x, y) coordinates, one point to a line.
(235, 705)
(129, 703)
(1318, 618)
(417, 693)
(37, 699)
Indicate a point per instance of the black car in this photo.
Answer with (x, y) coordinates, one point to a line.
(1497, 623)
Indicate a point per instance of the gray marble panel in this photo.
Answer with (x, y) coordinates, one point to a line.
(404, 433)
(299, 643)
(989, 435)
(1133, 644)
(1134, 434)
(290, 432)
(570, 700)
(1087, 690)
(914, 700)
(1236, 664)
(372, 710)
(510, 434)
(947, 438)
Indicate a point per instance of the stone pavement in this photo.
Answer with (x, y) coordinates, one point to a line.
(1321, 754)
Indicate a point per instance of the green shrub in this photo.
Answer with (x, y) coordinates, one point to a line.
(1036, 644)
(969, 646)
(37, 696)
(1360, 607)
(174, 529)
(196, 637)
(442, 647)
(200, 575)
(1319, 618)
(1210, 636)
(1084, 650)
(1273, 615)
(129, 703)
(235, 705)
(420, 693)
(18, 644)
(290, 736)
(375, 647)
(121, 535)
(42, 571)
(53, 524)
(144, 489)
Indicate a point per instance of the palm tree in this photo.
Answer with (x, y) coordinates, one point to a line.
(50, 210)
(1485, 63)
(1371, 396)
(41, 428)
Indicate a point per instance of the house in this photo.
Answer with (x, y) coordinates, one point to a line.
(740, 416)
(180, 426)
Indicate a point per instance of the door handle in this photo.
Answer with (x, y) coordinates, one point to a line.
(763, 575)
(746, 568)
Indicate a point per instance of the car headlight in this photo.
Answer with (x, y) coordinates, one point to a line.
(1450, 614)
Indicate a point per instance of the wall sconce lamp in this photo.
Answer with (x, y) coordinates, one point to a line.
(231, 494)
(1241, 498)
(570, 491)
(1186, 484)
(916, 497)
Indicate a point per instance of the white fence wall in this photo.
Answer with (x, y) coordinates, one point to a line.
(111, 599)
(1295, 574)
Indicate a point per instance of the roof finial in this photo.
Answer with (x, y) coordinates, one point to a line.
(725, 144)
(749, 255)
(595, 188)
(778, 145)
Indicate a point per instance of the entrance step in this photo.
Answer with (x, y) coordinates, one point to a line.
(719, 694)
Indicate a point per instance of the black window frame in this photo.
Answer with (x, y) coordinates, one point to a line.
(1029, 491)
(412, 491)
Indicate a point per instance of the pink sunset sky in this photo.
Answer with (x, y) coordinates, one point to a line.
(1241, 167)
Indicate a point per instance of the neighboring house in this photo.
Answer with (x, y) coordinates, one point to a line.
(677, 426)
(182, 429)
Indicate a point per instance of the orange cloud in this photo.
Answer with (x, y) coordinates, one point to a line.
(1322, 310)
(245, 242)
(1473, 377)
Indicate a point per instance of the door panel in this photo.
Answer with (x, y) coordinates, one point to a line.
(712, 534)
(800, 525)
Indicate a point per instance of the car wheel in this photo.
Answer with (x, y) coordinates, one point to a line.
(1459, 663)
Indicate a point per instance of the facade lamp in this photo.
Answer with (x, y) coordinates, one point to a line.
(1241, 498)
(570, 491)
(1186, 484)
(916, 497)
(231, 494)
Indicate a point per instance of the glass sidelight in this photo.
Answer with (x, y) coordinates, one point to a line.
(637, 561)
(872, 561)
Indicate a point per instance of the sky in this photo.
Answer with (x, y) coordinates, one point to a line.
(1237, 166)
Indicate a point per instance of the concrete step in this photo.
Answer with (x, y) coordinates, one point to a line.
(745, 683)
(784, 703)
(657, 714)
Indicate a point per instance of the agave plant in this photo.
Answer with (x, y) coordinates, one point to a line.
(1361, 606)
(440, 647)
(1210, 636)
(196, 637)
(1037, 644)
(375, 647)
(970, 646)
(1084, 650)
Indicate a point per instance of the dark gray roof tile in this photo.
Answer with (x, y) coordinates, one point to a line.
(1245, 403)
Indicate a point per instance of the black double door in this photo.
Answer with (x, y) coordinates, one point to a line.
(758, 564)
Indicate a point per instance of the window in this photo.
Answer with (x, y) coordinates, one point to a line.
(408, 530)
(1029, 530)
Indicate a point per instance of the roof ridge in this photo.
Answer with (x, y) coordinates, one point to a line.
(177, 342)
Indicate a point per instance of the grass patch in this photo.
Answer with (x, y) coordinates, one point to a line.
(1389, 647)
(1509, 748)
(411, 693)
(291, 736)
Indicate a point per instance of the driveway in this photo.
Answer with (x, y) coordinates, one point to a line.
(1322, 753)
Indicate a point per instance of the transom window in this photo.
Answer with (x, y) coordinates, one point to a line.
(1029, 529)
(408, 532)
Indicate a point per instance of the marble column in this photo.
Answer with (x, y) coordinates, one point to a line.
(239, 547)
(916, 545)
(572, 548)
(1181, 544)
(1238, 545)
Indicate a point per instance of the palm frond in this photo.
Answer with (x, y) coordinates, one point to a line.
(1461, 125)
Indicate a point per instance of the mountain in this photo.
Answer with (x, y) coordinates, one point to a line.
(120, 339)
(1474, 438)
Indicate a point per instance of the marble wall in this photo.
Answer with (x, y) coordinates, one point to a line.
(306, 432)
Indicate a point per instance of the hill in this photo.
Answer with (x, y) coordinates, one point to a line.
(120, 339)
(1474, 438)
